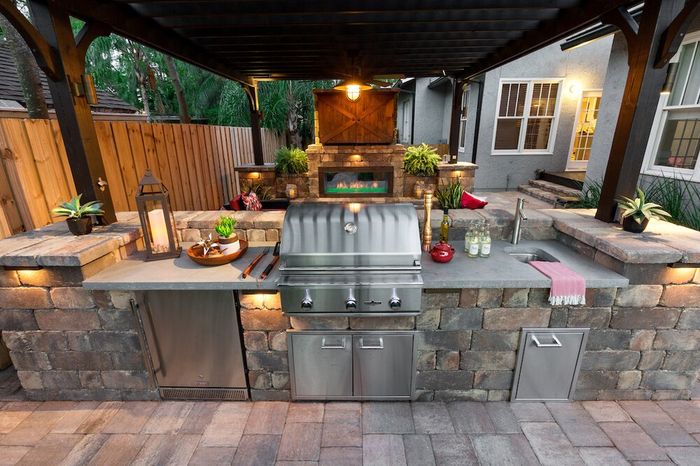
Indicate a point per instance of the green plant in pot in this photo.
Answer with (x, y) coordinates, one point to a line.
(636, 212)
(449, 195)
(79, 215)
(228, 239)
(421, 160)
(291, 161)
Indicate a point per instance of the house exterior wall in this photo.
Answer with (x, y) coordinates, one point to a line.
(584, 65)
(403, 97)
(432, 114)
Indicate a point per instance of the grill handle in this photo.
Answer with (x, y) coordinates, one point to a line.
(556, 344)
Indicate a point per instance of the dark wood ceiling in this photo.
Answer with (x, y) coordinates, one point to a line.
(323, 39)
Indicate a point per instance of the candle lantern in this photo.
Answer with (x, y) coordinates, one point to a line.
(157, 220)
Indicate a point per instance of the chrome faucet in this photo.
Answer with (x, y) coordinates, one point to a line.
(519, 218)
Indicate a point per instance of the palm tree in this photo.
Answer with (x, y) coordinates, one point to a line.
(179, 92)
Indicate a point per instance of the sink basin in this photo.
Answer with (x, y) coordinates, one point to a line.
(530, 254)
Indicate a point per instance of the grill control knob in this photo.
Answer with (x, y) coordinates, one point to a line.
(394, 301)
(351, 302)
(307, 302)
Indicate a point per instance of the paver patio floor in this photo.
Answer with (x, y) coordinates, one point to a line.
(338, 433)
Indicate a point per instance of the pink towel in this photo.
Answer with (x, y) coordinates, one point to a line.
(568, 287)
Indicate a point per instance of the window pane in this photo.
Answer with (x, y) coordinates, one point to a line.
(544, 99)
(679, 144)
(507, 134)
(679, 82)
(693, 86)
(462, 132)
(512, 99)
(537, 133)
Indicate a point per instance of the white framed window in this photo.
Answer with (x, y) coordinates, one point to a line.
(674, 145)
(526, 117)
(463, 120)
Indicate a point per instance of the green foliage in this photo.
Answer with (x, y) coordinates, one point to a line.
(590, 196)
(421, 160)
(449, 195)
(291, 160)
(74, 209)
(679, 197)
(225, 226)
(263, 192)
(639, 209)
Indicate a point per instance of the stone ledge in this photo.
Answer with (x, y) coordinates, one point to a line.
(662, 242)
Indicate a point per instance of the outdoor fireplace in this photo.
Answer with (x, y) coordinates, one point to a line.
(356, 181)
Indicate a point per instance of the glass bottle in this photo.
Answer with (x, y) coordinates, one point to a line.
(473, 243)
(485, 241)
(467, 238)
(444, 226)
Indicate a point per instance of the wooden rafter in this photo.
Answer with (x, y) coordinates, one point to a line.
(673, 36)
(43, 53)
(89, 32)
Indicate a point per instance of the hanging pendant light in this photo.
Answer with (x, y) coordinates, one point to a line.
(353, 87)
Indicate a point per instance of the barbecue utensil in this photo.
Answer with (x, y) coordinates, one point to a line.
(271, 265)
(254, 262)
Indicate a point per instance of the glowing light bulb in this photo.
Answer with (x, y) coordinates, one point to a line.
(353, 91)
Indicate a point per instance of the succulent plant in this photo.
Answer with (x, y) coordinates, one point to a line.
(225, 226)
(639, 209)
(74, 209)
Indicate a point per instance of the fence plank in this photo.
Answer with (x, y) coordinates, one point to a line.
(126, 162)
(196, 182)
(138, 151)
(183, 167)
(113, 171)
(165, 145)
(56, 131)
(23, 175)
(209, 169)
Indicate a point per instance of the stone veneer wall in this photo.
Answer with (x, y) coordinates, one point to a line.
(69, 343)
(643, 343)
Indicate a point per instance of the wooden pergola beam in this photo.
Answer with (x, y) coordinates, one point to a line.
(88, 33)
(641, 94)
(44, 55)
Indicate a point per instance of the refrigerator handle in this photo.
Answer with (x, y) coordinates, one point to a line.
(151, 329)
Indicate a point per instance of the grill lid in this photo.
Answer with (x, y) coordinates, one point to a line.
(350, 236)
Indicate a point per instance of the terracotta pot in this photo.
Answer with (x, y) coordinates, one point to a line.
(79, 226)
(229, 245)
(631, 225)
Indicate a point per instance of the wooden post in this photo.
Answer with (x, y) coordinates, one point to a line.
(640, 98)
(255, 117)
(73, 112)
(455, 114)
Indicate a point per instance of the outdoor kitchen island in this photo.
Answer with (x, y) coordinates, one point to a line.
(74, 336)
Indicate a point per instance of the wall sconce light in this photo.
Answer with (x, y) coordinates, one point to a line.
(670, 78)
(254, 175)
(575, 88)
(157, 220)
(355, 158)
(22, 267)
(353, 88)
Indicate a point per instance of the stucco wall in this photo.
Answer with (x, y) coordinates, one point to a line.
(585, 65)
(430, 114)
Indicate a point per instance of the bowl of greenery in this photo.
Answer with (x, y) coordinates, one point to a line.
(421, 160)
(228, 239)
(79, 216)
(636, 212)
(291, 161)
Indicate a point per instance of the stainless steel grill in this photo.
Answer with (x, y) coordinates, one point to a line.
(351, 258)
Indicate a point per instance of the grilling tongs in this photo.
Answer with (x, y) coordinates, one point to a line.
(253, 263)
(271, 265)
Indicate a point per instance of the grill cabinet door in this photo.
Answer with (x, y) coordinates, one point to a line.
(383, 365)
(322, 365)
(550, 362)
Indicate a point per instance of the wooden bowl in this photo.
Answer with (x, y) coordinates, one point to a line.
(195, 253)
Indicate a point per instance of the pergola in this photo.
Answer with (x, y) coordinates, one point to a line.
(253, 40)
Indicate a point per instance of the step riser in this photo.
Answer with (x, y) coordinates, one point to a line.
(555, 188)
(543, 195)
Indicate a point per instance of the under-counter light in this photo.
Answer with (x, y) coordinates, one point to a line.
(354, 207)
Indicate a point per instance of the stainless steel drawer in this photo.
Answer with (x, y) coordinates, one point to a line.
(548, 363)
(346, 365)
(382, 365)
(322, 365)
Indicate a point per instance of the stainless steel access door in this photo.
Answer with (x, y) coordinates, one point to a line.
(193, 338)
(383, 365)
(322, 365)
(548, 363)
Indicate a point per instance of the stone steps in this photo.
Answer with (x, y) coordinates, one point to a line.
(562, 191)
(547, 196)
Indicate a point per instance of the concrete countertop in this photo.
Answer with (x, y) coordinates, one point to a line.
(503, 271)
(183, 274)
(498, 271)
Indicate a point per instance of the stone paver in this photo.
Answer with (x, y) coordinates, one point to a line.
(350, 433)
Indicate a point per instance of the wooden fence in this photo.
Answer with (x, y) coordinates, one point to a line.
(196, 162)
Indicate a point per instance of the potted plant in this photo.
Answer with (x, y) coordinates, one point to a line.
(291, 161)
(636, 212)
(78, 215)
(228, 239)
(421, 160)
